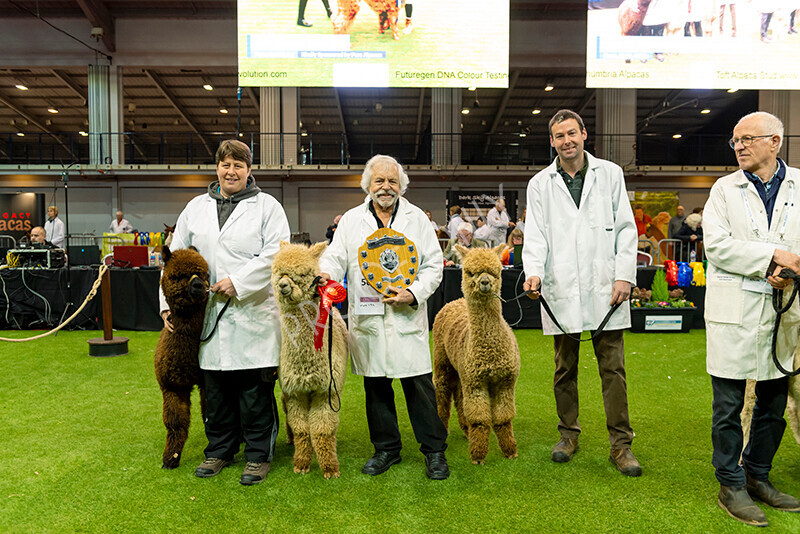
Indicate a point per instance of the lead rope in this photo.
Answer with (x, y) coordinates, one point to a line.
(777, 298)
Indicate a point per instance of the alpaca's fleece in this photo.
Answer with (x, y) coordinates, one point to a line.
(476, 357)
(304, 372)
(387, 11)
(792, 405)
(184, 283)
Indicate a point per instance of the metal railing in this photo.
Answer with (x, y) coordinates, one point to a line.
(162, 148)
(672, 249)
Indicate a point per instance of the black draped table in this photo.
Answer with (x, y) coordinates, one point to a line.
(37, 298)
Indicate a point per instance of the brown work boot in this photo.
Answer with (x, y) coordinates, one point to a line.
(762, 490)
(740, 506)
(254, 473)
(625, 462)
(564, 450)
(210, 467)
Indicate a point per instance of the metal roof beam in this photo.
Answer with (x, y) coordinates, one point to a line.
(66, 80)
(156, 79)
(33, 120)
(341, 122)
(99, 17)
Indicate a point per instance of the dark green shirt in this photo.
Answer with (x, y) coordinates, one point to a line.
(574, 185)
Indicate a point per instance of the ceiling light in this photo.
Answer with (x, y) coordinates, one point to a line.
(677, 136)
(20, 134)
(223, 110)
(732, 90)
(705, 111)
(21, 87)
(522, 134)
(52, 109)
(471, 88)
(241, 134)
(208, 87)
(549, 86)
(465, 111)
(304, 134)
(83, 134)
(536, 111)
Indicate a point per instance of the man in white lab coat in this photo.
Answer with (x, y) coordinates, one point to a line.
(580, 252)
(389, 336)
(237, 229)
(752, 224)
(54, 227)
(497, 219)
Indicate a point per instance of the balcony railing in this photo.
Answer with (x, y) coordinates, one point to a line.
(340, 149)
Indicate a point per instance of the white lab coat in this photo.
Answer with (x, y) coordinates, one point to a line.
(54, 231)
(579, 253)
(249, 332)
(452, 226)
(395, 344)
(121, 227)
(498, 222)
(739, 323)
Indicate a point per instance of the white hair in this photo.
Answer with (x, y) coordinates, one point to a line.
(694, 220)
(465, 226)
(366, 176)
(771, 123)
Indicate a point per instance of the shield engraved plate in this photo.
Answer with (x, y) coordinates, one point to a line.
(388, 258)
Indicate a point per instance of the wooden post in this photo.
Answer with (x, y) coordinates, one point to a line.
(108, 345)
(105, 292)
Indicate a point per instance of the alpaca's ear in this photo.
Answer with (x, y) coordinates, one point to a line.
(461, 249)
(500, 249)
(166, 254)
(318, 248)
(283, 244)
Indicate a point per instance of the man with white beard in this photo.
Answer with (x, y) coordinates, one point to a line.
(389, 335)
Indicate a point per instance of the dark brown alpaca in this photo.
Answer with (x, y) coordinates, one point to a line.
(184, 283)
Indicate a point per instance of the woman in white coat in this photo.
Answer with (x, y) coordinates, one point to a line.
(237, 229)
(389, 338)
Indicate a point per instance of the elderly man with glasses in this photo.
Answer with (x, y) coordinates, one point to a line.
(751, 226)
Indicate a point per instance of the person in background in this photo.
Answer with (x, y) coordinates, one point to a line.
(642, 220)
(237, 228)
(676, 222)
(389, 334)
(497, 219)
(409, 25)
(38, 238)
(455, 220)
(515, 238)
(483, 232)
(732, 8)
(332, 228)
(691, 233)
(430, 218)
(120, 225)
(745, 257)
(301, 12)
(583, 267)
(465, 238)
(521, 221)
(54, 227)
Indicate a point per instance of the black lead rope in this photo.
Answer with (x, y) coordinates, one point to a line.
(332, 383)
(777, 298)
(219, 316)
(546, 307)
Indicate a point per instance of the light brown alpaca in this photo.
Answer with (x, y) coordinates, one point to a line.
(476, 357)
(792, 405)
(304, 372)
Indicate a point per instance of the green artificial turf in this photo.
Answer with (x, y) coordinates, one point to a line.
(82, 439)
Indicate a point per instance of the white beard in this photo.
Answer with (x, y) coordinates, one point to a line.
(384, 203)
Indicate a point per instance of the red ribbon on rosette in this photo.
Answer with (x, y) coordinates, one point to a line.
(331, 293)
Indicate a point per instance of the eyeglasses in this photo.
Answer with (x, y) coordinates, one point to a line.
(746, 141)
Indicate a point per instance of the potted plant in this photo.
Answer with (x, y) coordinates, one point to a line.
(659, 309)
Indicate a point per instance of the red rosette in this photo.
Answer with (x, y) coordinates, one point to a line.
(330, 293)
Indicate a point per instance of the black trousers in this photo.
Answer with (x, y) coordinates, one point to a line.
(241, 404)
(421, 403)
(766, 429)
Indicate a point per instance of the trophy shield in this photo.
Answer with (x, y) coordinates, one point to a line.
(388, 259)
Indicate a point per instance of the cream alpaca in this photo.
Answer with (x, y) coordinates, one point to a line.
(304, 372)
(476, 357)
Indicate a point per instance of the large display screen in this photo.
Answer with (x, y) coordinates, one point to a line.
(373, 43)
(704, 44)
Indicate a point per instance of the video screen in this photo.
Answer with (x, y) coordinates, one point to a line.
(696, 44)
(373, 43)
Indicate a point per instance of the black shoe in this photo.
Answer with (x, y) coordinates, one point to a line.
(380, 462)
(740, 506)
(304, 23)
(436, 466)
(764, 491)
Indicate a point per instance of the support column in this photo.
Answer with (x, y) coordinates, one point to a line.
(446, 126)
(279, 125)
(616, 125)
(106, 144)
(786, 106)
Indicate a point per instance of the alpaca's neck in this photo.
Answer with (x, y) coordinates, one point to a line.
(191, 324)
(483, 313)
(297, 325)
